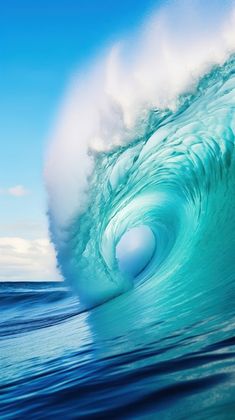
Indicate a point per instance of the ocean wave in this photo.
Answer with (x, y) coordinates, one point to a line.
(167, 181)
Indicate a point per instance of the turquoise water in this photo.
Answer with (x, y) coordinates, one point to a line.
(151, 259)
(176, 181)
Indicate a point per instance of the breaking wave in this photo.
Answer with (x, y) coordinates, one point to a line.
(141, 167)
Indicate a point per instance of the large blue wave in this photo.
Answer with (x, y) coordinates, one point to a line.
(177, 179)
(141, 175)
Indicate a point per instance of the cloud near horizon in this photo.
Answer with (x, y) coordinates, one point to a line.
(15, 191)
(27, 259)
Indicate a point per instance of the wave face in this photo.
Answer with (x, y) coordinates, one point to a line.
(141, 171)
(178, 181)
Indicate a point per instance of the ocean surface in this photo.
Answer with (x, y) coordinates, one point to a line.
(142, 216)
(129, 358)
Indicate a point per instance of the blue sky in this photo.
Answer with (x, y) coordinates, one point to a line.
(42, 43)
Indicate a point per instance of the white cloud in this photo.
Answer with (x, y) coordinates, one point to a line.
(27, 259)
(18, 191)
(24, 228)
(15, 191)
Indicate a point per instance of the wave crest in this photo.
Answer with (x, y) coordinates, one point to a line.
(132, 148)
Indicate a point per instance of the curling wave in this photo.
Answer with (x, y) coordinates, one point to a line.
(141, 172)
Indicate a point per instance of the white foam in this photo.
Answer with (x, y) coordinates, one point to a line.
(107, 106)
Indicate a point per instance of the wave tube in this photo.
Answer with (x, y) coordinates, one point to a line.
(141, 164)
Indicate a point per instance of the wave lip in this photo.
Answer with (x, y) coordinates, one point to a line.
(161, 138)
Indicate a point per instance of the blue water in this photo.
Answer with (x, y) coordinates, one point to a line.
(143, 327)
(176, 183)
(126, 359)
